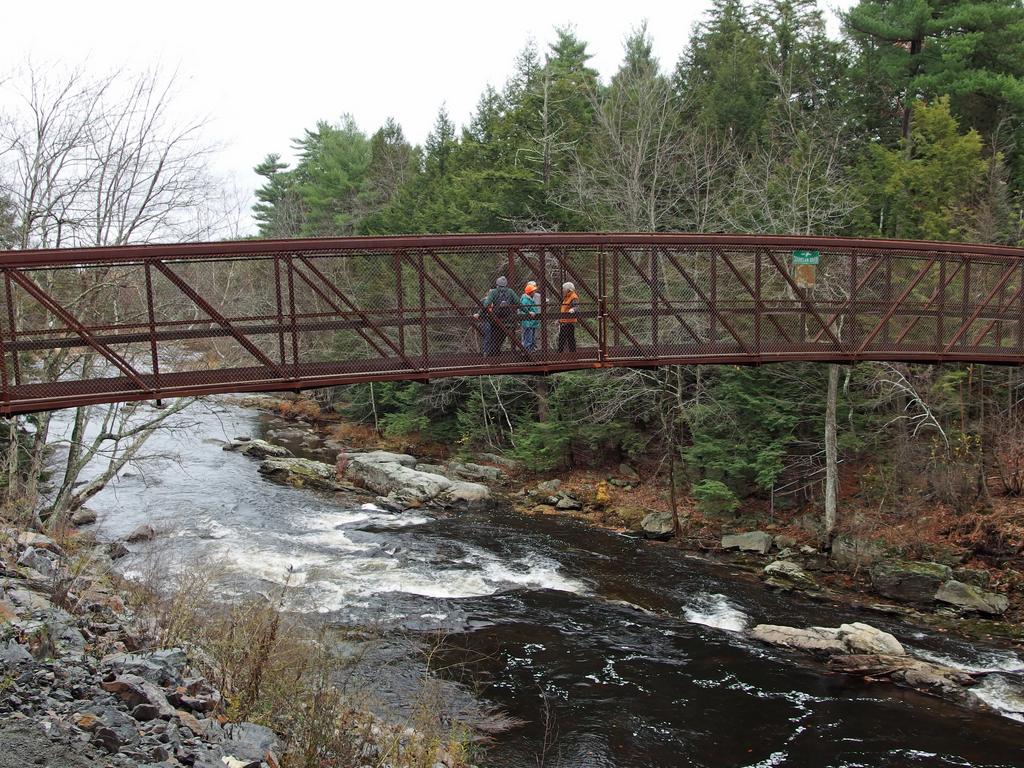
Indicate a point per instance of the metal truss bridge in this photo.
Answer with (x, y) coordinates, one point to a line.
(98, 325)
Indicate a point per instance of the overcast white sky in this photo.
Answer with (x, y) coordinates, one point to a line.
(263, 71)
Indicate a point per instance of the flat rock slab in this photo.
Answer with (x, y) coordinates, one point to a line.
(753, 541)
(972, 598)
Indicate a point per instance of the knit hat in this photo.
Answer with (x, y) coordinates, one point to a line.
(566, 287)
(530, 288)
(502, 282)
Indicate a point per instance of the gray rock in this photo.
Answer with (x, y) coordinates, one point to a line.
(628, 472)
(248, 742)
(470, 471)
(974, 576)
(972, 598)
(259, 449)
(116, 550)
(914, 582)
(164, 667)
(568, 503)
(144, 532)
(548, 487)
(501, 461)
(13, 654)
(786, 574)
(850, 552)
(817, 640)
(657, 524)
(784, 542)
(431, 469)
(752, 541)
(83, 516)
(134, 690)
(38, 561)
(845, 639)
(301, 473)
(39, 541)
(394, 476)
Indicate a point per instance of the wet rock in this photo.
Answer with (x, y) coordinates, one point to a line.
(972, 598)
(844, 639)
(144, 532)
(302, 473)
(657, 525)
(786, 574)
(753, 541)
(927, 677)
(258, 449)
(83, 516)
(388, 505)
(913, 582)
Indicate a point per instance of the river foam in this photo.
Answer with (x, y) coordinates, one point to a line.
(715, 610)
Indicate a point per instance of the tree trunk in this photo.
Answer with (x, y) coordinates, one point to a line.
(831, 456)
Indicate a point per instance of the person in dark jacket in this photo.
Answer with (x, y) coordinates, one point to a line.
(567, 318)
(499, 315)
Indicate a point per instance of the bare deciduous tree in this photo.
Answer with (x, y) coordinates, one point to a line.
(96, 161)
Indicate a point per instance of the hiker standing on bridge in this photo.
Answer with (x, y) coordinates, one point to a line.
(529, 309)
(567, 320)
(499, 313)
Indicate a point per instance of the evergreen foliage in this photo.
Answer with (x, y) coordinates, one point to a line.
(907, 126)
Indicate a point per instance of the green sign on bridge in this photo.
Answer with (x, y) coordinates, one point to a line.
(806, 257)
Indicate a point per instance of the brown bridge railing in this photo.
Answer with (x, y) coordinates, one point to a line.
(131, 323)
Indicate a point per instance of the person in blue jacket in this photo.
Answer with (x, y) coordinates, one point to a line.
(529, 313)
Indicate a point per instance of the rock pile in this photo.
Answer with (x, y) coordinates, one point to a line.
(78, 690)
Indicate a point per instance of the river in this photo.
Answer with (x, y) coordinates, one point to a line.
(633, 652)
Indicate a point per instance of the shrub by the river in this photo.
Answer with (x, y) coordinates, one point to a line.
(714, 498)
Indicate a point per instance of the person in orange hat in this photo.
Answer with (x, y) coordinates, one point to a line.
(529, 311)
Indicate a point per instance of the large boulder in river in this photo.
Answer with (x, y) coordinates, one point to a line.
(753, 541)
(393, 475)
(827, 641)
(971, 598)
(258, 449)
(913, 582)
(301, 473)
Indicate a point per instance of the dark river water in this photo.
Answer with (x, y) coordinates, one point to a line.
(614, 651)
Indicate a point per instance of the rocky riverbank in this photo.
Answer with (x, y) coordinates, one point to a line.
(83, 681)
(88, 678)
